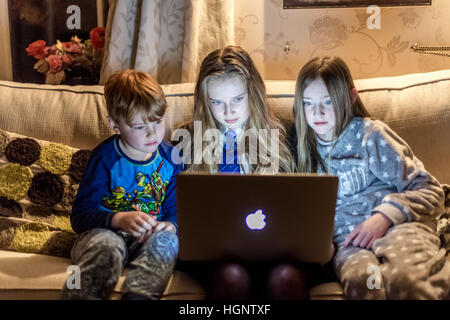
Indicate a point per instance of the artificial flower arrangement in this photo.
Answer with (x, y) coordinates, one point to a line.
(63, 58)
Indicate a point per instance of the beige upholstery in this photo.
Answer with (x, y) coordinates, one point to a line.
(327, 291)
(417, 106)
(39, 277)
(75, 117)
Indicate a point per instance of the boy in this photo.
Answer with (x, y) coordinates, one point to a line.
(125, 209)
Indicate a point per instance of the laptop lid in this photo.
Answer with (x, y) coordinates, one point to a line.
(255, 217)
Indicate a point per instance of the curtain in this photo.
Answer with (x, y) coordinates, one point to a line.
(166, 38)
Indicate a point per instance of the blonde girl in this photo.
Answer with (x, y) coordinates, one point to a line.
(230, 95)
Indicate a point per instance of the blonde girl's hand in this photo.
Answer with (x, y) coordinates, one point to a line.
(160, 225)
(367, 232)
(135, 223)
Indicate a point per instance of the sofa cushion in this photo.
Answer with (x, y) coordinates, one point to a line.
(327, 291)
(38, 183)
(75, 116)
(416, 106)
(41, 277)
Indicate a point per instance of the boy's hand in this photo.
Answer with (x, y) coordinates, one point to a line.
(367, 232)
(160, 225)
(135, 223)
(166, 226)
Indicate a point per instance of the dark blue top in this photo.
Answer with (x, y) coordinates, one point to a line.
(113, 182)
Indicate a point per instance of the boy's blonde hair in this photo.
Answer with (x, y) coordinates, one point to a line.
(229, 62)
(338, 80)
(131, 92)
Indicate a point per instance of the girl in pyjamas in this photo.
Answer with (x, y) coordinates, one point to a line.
(388, 204)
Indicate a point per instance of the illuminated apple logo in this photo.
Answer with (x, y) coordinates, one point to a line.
(256, 221)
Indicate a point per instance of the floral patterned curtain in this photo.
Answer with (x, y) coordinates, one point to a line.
(166, 38)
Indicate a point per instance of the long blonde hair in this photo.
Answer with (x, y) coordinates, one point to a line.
(234, 61)
(338, 80)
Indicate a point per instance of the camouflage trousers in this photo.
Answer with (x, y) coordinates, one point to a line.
(407, 263)
(102, 254)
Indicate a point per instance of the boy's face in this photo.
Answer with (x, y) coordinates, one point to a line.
(228, 101)
(141, 139)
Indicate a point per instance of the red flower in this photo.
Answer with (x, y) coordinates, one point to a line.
(55, 62)
(97, 36)
(37, 49)
(52, 49)
(71, 47)
(68, 59)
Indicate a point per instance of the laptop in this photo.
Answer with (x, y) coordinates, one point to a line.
(282, 217)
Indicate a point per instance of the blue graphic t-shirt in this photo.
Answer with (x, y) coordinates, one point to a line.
(113, 182)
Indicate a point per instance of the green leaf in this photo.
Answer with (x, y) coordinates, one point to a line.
(41, 66)
(55, 78)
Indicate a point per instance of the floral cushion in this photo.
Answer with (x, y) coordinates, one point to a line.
(38, 183)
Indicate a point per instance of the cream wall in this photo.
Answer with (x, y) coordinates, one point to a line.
(5, 48)
(263, 28)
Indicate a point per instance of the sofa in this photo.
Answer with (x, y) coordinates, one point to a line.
(416, 106)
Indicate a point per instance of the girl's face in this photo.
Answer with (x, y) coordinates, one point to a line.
(228, 101)
(319, 110)
(141, 139)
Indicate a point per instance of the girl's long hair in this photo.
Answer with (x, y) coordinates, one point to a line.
(234, 61)
(338, 80)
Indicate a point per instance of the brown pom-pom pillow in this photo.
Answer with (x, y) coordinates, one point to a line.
(38, 184)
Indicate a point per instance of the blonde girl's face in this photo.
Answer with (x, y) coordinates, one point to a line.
(319, 110)
(228, 100)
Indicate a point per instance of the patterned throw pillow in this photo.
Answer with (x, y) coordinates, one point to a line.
(38, 183)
